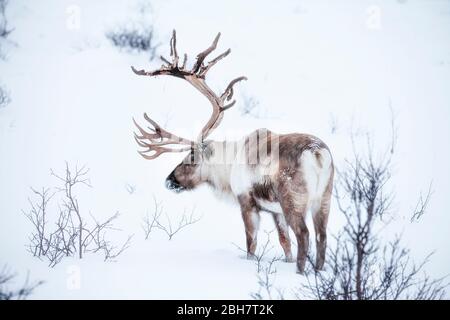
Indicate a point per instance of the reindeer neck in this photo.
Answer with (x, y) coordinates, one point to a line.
(223, 154)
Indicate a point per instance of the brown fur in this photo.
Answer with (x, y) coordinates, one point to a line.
(288, 187)
(320, 219)
(283, 237)
(319, 159)
(264, 191)
(249, 208)
(184, 174)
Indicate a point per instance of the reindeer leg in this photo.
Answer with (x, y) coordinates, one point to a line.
(250, 215)
(294, 205)
(283, 235)
(320, 218)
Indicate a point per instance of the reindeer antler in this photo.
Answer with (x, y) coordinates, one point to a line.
(196, 77)
(157, 139)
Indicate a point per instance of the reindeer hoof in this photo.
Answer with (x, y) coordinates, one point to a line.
(318, 269)
(320, 266)
(301, 270)
(289, 259)
(250, 256)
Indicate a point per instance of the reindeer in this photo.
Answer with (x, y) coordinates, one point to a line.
(285, 175)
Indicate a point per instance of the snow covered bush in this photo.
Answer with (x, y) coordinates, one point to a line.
(135, 38)
(68, 234)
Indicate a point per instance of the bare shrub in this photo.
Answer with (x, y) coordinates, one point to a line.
(131, 188)
(150, 221)
(266, 272)
(5, 98)
(134, 38)
(96, 240)
(394, 128)
(422, 204)
(266, 278)
(169, 227)
(7, 278)
(334, 123)
(361, 266)
(250, 106)
(5, 30)
(69, 234)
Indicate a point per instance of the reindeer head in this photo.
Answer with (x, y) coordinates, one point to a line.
(191, 171)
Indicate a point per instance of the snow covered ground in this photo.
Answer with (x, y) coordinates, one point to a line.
(307, 62)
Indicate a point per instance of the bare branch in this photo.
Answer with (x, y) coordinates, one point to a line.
(394, 129)
(150, 223)
(266, 272)
(131, 189)
(70, 234)
(6, 279)
(170, 229)
(422, 204)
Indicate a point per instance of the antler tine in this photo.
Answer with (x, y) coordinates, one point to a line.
(152, 144)
(211, 63)
(218, 109)
(166, 134)
(158, 138)
(145, 134)
(184, 62)
(158, 151)
(173, 49)
(165, 61)
(228, 93)
(170, 67)
(160, 134)
(142, 72)
(202, 55)
(228, 106)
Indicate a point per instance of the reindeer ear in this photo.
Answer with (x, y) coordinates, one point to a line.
(192, 154)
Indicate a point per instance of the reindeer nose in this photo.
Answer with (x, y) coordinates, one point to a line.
(172, 183)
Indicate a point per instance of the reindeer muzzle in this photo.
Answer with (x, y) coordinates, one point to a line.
(173, 184)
